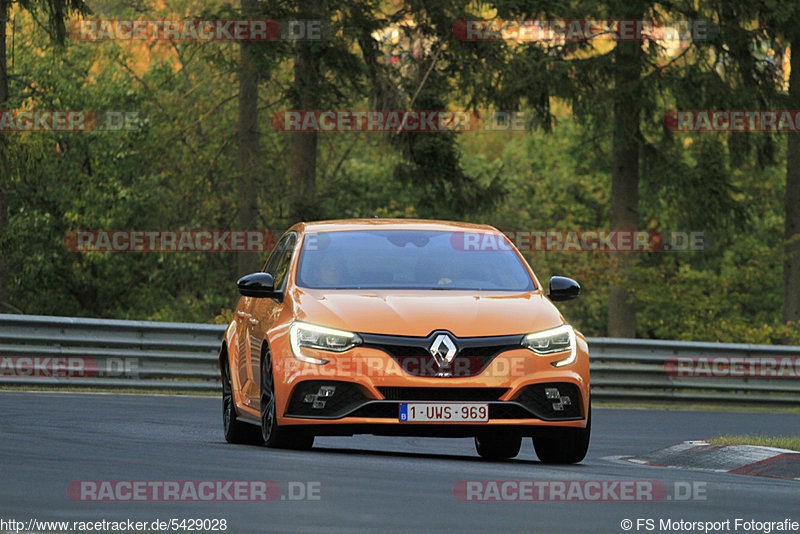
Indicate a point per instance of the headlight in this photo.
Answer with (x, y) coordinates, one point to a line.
(559, 339)
(319, 338)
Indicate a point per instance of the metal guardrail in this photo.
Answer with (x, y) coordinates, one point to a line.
(636, 370)
(183, 357)
(109, 353)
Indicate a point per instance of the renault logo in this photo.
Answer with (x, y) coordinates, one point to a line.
(443, 350)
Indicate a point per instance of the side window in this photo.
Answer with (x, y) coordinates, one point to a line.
(278, 265)
(275, 255)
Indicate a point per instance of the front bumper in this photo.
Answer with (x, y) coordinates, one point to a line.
(559, 401)
(370, 383)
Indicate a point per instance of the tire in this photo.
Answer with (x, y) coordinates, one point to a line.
(272, 434)
(498, 445)
(566, 445)
(235, 431)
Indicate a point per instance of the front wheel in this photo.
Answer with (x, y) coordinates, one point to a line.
(276, 436)
(565, 445)
(235, 431)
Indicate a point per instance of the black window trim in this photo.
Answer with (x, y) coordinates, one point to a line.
(278, 250)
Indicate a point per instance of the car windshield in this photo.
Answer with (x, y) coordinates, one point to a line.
(411, 259)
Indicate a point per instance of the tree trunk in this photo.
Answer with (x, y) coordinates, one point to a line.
(303, 145)
(791, 228)
(624, 213)
(4, 175)
(247, 200)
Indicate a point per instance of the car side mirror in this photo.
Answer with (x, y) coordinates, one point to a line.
(563, 288)
(259, 285)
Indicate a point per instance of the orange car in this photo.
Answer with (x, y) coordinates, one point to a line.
(405, 327)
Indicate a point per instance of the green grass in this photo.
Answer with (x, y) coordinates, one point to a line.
(705, 407)
(792, 443)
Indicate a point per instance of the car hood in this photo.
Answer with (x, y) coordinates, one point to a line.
(418, 313)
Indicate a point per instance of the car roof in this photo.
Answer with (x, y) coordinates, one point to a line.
(389, 224)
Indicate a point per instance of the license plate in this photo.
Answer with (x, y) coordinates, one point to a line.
(444, 412)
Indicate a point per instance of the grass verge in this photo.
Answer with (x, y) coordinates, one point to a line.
(788, 442)
(704, 407)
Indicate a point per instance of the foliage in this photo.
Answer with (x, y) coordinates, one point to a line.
(176, 171)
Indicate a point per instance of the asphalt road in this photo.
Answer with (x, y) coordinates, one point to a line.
(365, 483)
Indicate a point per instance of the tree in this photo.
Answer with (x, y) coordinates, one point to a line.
(624, 209)
(791, 261)
(247, 190)
(622, 89)
(434, 70)
(786, 27)
(3, 160)
(56, 12)
(306, 90)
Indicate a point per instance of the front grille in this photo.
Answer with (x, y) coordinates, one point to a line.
(346, 396)
(404, 351)
(417, 361)
(412, 353)
(566, 403)
(442, 394)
